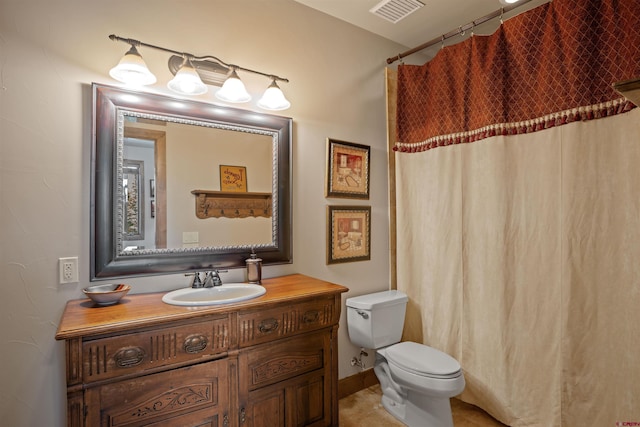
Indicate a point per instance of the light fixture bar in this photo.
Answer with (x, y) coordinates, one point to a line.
(137, 43)
(211, 72)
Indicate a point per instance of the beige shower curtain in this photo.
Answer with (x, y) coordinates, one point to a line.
(521, 258)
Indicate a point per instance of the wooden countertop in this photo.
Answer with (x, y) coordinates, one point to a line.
(82, 317)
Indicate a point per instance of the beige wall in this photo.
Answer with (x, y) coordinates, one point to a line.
(194, 154)
(50, 52)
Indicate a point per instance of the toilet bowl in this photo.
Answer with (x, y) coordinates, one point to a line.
(417, 381)
(425, 387)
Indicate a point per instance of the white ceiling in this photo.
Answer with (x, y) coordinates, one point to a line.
(436, 18)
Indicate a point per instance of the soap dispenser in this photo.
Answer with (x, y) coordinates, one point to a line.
(254, 268)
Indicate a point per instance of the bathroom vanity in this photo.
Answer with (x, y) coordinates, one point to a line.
(269, 361)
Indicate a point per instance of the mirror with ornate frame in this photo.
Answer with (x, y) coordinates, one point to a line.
(160, 198)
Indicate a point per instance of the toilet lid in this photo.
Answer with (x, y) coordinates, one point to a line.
(423, 360)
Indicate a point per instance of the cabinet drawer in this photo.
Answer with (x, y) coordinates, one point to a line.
(189, 396)
(278, 361)
(136, 352)
(261, 326)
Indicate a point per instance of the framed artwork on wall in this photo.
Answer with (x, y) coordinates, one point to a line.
(233, 178)
(348, 233)
(347, 170)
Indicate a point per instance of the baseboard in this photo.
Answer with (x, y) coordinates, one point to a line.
(357, 382)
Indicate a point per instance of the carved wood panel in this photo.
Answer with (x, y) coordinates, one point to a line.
(266, 326)
(263, 326)
(268, 364)
(110, 357)
(165, 398)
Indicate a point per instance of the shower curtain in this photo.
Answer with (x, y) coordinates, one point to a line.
(519, 251)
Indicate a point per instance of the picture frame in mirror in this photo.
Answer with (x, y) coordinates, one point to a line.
(233, 178)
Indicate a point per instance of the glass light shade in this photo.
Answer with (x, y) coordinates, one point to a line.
(233, 90)
(273, 98)
(187, 81)
(132, 70)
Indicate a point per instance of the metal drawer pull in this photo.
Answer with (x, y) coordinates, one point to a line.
(195, 343)
(129, 356)
(311, 316)
(268, 325)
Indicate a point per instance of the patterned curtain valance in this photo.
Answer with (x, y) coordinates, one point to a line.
(546, 67)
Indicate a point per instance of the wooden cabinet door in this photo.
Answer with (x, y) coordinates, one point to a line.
(286, 383)
(196, 395)
(265, 408)
(307, 403)
(294, 403)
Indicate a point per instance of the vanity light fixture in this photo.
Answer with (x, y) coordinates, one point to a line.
(194, 74)
(507, 2)
(273, 98)
(233, 89)
(132, 69)
(187, 81)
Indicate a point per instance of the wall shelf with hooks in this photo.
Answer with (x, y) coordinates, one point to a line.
(228, 204)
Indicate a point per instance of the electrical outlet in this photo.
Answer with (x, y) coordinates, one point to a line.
(68, 270)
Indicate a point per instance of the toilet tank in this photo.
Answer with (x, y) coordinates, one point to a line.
(376, 320)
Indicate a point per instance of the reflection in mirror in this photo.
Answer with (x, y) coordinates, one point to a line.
(161, 196)
(189, 157)
(133, 200)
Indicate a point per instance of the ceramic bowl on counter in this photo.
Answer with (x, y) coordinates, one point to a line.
(107, 294)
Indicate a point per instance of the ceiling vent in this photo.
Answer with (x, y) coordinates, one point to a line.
(395, 10)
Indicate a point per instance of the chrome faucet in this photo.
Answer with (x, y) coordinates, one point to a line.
(212, 278)
(195, 282)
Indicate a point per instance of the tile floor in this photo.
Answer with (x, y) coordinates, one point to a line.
(364, 409)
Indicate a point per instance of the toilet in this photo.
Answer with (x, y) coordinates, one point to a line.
(417, 381)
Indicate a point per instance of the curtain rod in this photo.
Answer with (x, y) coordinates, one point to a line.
(460, 30)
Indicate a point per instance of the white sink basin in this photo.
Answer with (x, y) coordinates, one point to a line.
(226, 294)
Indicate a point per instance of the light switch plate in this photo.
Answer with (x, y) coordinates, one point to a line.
(190, 237)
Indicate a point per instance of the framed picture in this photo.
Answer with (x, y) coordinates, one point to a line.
(348, 233)
(233, 178)
(347, 170)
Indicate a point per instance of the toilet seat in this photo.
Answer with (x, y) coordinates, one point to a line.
(422, 360)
